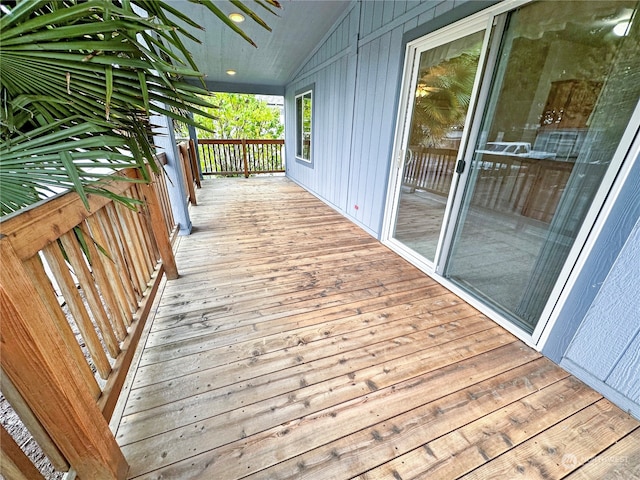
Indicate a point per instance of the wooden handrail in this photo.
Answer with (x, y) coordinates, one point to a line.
(116, 256)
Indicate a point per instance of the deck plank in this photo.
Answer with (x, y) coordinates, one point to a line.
(294, 345)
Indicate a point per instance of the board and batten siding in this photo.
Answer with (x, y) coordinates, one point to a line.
(331, 73)
(356, 74)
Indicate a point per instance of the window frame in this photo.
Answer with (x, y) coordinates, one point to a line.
(299, 124)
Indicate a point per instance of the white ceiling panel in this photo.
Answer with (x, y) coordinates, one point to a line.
(296, 31)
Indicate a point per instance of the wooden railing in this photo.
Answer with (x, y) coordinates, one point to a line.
(523, 186)
(430, 169)
(191, 178)
(241, 157)
(75, 291)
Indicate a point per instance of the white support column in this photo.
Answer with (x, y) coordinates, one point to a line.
(165, 140)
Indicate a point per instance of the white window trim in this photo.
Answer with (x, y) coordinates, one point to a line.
(307, 91)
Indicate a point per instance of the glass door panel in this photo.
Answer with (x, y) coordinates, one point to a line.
(563, 92)
(443, 81)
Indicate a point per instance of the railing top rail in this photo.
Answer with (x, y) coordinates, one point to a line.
(31, 230)
(236, 141)
(445, 151)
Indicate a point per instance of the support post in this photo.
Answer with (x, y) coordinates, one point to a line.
(193, 135)
(244, 158)
(36, 361)
(160, 232)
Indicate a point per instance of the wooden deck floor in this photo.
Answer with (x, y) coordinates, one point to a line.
(294, 345)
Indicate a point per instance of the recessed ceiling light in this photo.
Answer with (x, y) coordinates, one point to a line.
(622, 29)
(236, 17)
(231, 72)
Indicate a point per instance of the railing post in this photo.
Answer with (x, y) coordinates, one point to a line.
(244, 158)
(31, 358)
(195, 164)
(183, 150)
(193, 135)
(160, 232)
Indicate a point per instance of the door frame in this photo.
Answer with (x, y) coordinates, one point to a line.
(603, 201)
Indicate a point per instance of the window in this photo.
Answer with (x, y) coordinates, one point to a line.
(303, 125)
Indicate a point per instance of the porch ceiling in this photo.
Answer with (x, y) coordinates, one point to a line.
(298, 28)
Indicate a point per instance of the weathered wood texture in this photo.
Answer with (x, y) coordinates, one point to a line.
(76, 288)
(294, 345)
(189, 175)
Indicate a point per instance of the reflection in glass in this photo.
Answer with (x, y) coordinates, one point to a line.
(445, 80)
(565, 88)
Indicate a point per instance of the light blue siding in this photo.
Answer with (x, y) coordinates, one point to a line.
(378, 77)
(356, 71)
(607, 344)
(608, 313)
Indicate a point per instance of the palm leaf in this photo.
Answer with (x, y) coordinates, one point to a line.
(78, 83)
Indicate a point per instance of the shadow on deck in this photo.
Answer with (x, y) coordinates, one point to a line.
(294, 345)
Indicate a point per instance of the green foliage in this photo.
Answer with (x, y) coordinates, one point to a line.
(237, 116)
(444, 100)
(78, 83)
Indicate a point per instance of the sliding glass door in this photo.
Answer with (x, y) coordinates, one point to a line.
(554, 119)
(442, 86)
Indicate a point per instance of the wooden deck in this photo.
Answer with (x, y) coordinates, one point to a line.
(294, 345)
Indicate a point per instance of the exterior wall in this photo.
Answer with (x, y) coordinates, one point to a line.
(597, 337)
(331, 71)
(356, 73)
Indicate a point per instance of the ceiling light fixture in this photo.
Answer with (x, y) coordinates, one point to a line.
(622, 29)
(236, 17)
(231, 72)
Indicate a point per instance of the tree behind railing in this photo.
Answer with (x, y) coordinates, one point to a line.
(73, 277)
(241, 157)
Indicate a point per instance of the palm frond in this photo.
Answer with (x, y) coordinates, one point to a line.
(78, 83)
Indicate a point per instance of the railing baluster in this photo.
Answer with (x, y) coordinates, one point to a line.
(142, 231)
(104, 283)
(77, 260)
(14, 464)
(113, 239)
(229, 156)
(77, 308)
(125, 220)
(110, 269)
